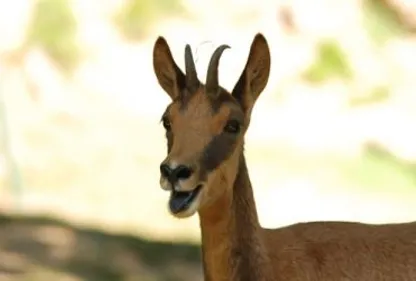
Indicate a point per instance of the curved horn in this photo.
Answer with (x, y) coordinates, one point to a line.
(211, 86)
(192, 81)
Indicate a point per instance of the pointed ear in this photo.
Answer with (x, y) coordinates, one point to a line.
(255, 75)
(169, 75)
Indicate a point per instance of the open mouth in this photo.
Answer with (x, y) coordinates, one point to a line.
(180, 201)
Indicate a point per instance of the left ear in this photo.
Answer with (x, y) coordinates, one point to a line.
(255, 75)
(169, 75)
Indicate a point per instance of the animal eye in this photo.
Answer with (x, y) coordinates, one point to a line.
(232, 126)
(166, 123)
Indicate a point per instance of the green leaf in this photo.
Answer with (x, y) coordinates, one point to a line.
(135, 18)
(53, 28)
(381, 21)
(331, 62)
(378, 94)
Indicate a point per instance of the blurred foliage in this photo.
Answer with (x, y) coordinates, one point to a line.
(374, 170)
(331, 62)
(381, 21)
(53, 28)
(378, 94)
(12, 179)
(380, 169)
(136, 16)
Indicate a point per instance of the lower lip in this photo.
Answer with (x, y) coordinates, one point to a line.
(181, 201)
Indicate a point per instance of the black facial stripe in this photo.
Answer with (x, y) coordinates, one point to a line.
(184, 99)
(217, 151)
(223, 97)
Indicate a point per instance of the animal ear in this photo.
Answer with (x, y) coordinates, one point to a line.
(169, 75)
(255, 75)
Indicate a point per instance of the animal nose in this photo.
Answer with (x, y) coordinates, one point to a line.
(181, 172)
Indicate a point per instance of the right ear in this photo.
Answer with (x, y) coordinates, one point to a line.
(169, 75)
(255, 75)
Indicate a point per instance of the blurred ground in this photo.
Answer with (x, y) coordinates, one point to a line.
(41, 248)
(330, 138)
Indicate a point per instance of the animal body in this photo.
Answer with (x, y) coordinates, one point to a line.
(206, 174)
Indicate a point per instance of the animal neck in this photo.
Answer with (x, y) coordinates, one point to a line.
(232, 245)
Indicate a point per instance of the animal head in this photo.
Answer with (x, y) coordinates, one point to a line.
(205, 124)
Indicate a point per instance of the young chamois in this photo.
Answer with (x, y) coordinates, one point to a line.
(206, 173)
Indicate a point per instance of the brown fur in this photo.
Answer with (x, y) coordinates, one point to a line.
(234, 245)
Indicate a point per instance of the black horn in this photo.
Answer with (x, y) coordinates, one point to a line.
(212, 86)
(192, 81)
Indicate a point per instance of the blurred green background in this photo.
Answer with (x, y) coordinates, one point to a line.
(330, 138)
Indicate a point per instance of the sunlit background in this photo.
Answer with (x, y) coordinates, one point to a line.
(331, 137)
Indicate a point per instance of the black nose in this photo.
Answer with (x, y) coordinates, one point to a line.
(181, 172)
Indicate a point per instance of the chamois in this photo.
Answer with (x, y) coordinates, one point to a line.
(206, 173)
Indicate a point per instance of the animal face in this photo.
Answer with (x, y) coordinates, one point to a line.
(205, 124)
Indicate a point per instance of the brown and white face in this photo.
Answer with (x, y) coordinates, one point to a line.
(205, 124)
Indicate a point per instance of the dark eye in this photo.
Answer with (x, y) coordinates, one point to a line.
(166, 123)
(232, 127)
